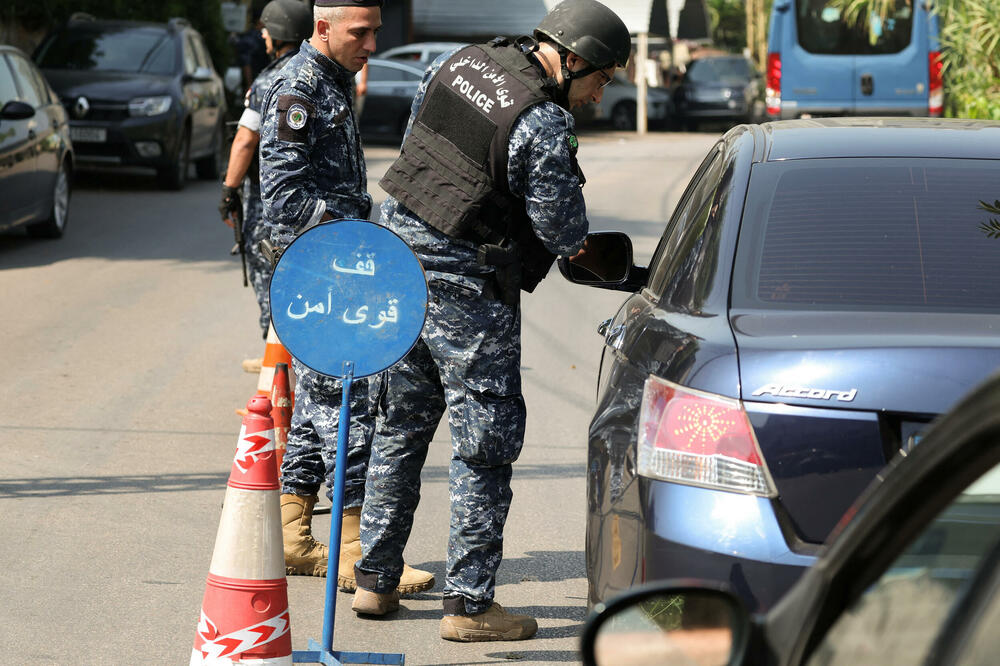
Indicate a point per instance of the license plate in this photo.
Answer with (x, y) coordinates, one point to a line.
(88, 134)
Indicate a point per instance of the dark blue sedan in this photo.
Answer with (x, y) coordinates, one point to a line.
(824, 289)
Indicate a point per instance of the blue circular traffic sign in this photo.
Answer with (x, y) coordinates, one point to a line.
(348, 291)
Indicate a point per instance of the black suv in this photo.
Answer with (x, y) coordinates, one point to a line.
(138, 94)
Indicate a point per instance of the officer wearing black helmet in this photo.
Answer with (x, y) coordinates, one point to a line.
(285, 24)
(487, 192)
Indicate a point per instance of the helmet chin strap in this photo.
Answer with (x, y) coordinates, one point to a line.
(568, 76)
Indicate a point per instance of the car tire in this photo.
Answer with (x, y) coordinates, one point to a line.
(55, 224)
(173, 177)
(623, 116)
(210, 167)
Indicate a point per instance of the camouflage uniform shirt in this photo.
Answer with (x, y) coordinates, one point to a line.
(311, 160)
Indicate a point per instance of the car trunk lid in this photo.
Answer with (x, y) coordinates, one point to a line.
(832, 396)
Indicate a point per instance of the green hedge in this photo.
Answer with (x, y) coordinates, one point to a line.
(205, 16)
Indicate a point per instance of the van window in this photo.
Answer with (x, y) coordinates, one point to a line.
(823, 29)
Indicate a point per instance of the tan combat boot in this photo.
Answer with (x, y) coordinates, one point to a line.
(496, 624)
(304, 556)
(367, 602)
(411, 580)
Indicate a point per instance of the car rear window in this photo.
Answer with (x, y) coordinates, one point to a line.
(147, 50)
(859, 234)
(823, 28)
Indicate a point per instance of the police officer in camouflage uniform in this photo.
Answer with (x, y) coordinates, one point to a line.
(487, 191)
(312, 170)
(286, 24)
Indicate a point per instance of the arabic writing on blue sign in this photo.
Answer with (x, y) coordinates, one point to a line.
(348, 290)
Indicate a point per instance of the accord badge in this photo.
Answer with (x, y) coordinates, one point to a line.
(791, 391)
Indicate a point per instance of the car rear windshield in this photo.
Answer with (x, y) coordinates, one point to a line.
(147, 50)
(823, 28)
(856, 234)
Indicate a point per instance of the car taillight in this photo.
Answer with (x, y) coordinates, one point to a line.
(935, 100)
(700, 439)
(772, 95)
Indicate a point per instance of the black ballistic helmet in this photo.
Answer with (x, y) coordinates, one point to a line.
(588, 29)
(288, 20)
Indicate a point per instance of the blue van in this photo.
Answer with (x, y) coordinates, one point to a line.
(818, 64)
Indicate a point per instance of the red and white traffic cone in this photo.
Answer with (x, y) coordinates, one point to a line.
(274, 353)
(281, 411)
(244, 615)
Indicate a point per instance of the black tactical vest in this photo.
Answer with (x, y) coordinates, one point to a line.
(452, 169)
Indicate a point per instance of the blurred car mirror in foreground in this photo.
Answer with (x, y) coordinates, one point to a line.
(606, 262)
(15, 110)
(665, 624)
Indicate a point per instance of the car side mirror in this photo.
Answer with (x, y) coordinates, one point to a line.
(669, 622)
(202, 74)
(606, 262)
(15, 110)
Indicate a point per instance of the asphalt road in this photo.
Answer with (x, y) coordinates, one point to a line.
(120, 379)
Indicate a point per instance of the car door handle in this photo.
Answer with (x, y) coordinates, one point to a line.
(614, 336)
(867, 84)
(602, 328)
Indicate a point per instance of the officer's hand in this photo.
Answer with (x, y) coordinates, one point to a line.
(231, 206)
(588, 260)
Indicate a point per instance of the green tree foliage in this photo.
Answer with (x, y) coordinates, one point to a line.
(970, 44)
(205, 16)
(729, 24)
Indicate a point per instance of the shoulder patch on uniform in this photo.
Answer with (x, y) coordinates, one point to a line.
(572, 141)
(297, 116)
(293, 117)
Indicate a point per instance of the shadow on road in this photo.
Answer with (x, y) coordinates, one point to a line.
(109, 485)
(538, 566)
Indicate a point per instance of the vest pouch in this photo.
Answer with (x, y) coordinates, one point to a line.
(453, 191)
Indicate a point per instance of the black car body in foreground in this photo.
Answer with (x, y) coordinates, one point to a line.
(824, 289)
(912, 576)
(138, 94)
(36, 154)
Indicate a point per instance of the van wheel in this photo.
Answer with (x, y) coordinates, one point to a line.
(55, 225)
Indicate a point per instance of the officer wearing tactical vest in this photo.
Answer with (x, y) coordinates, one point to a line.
(313, 169)
(286, 24)
(486, 191)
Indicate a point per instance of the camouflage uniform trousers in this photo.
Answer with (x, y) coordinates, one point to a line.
(311, 453)
(468, 362)
(259, 269)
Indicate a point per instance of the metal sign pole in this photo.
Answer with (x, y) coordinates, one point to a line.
(349, 300)
(337, 510)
